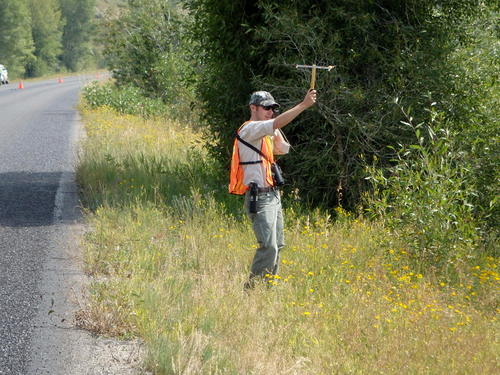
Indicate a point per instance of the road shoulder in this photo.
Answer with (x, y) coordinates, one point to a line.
(58, 345)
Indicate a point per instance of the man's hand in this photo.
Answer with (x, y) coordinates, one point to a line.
(310, 98)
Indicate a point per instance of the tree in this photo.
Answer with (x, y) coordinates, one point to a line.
(77, 34)
(392, 61)
(144, 46)
(16, 43)
(47, 26)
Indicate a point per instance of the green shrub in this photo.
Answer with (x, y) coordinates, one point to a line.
(124, 99)
(425, 199)
(476, 108)
(381, 51)
(145, 46)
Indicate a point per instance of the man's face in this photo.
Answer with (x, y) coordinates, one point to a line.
(262, 113)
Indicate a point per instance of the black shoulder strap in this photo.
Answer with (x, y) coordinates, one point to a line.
(253, 148)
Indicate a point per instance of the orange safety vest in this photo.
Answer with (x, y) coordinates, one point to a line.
(236, 185)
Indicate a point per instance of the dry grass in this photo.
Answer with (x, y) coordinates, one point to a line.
(170, 257)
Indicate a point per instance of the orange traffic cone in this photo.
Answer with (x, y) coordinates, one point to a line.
(60, 80)
(21, 85)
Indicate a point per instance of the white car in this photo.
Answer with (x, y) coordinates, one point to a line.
(4, 75)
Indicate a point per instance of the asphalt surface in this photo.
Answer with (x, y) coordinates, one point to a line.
(38, 131)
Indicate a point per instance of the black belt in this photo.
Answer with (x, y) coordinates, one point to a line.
(267, 189)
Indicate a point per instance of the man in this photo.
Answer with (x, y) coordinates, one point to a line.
(252, 174)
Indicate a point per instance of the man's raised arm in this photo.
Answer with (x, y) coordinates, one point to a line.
(286, 117)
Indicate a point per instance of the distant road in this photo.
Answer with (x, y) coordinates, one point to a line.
(39, 127)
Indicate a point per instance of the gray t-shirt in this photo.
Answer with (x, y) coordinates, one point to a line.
(253, 132)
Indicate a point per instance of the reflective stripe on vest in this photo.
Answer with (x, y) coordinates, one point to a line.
(236, 178)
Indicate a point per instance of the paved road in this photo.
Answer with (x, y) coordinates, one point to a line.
(41, 276)
(38, 129)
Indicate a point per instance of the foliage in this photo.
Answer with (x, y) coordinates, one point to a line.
(476, 108)
(426, 198)
(382, 51)
(79, 26)
(224, 33)
(42, 37)
(124, 99)
(16, 42)
(46, 29)
(145, 46)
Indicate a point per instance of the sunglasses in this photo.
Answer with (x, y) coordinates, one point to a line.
(268, 107)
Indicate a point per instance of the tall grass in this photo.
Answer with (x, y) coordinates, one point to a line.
(169, 252)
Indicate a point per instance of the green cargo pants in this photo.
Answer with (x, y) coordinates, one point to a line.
(268, 228)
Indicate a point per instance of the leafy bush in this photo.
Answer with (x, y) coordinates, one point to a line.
(475, 103)
(425, 199)
(125, 100)
(381, 50)
(145, 46)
